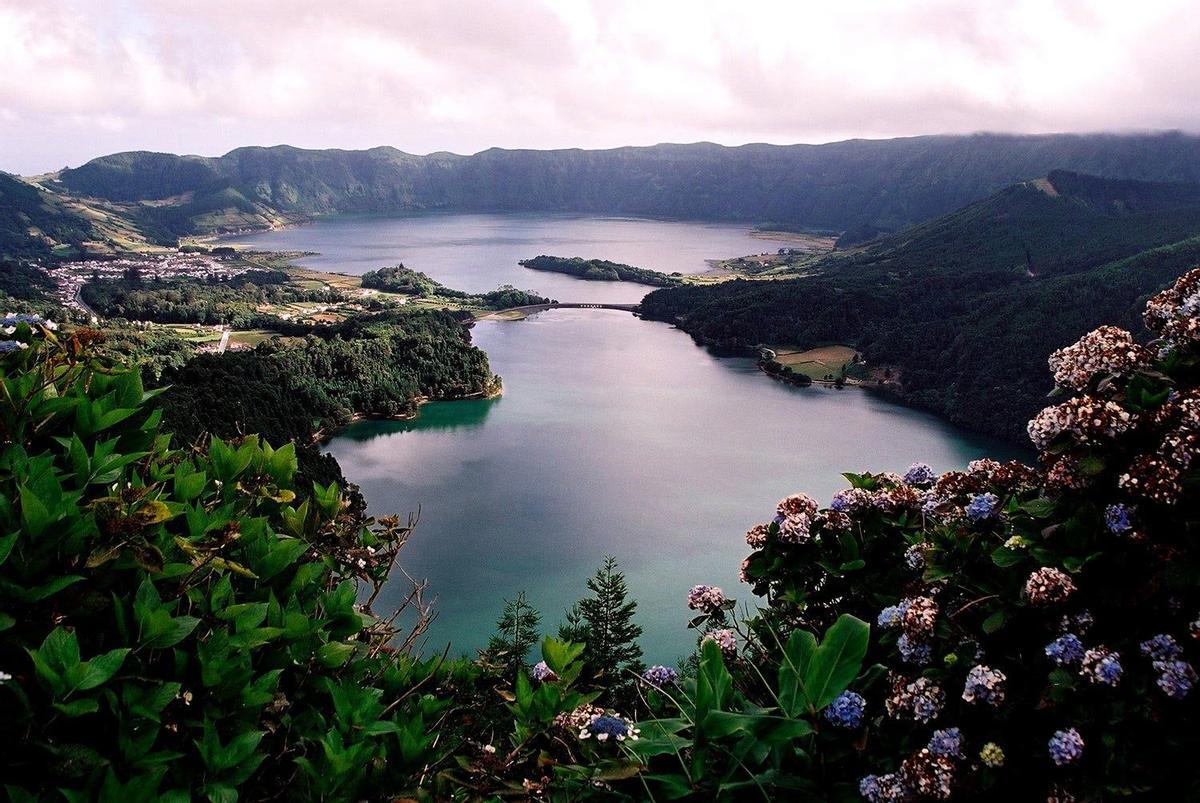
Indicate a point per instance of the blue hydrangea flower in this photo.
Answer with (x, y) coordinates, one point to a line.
(33, 320)
(1065, 747)
(948, 742)
(1162, 647)
(660, 676)
(1119, 519)
(1065, 650)
(914, 557)
(605, 726)
(1175, 678)
(982, 506)
(542, 672)
(846, 710)
(882, 788)
(1100, 665)
(985, 685)
(918, 653)
(9, 346)
(919, 474)
(893, 615)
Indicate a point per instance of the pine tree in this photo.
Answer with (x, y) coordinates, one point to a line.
(516, 633)
(573, 628)
(612, 650)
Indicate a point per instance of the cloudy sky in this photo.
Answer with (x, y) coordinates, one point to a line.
(79, 79)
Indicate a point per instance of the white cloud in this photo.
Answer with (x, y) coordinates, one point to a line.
(463, 75)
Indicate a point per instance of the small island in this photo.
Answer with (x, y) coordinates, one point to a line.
(601, 270)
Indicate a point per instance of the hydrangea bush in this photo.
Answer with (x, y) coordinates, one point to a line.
(1035, 627)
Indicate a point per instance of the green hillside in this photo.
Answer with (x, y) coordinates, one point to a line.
(878, 184)
(968, 306)
(34, 224)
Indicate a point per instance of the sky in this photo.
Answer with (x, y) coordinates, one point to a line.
(82, 79)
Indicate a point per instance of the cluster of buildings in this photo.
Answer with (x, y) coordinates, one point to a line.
(71, 276)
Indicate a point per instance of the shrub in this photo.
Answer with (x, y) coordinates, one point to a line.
(1035, 629)
(177, 624)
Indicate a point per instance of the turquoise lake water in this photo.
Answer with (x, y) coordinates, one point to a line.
(614, 436)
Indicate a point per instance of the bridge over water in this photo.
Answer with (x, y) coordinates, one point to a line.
(531, 309)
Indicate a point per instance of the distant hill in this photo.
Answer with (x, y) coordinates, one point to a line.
(33, 223)
(969, 305)
(865, 185)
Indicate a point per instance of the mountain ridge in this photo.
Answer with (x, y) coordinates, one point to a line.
(888, 184)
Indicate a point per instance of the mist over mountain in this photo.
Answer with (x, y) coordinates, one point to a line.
(884, 184)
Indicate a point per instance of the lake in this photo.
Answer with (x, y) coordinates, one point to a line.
(479, 252)
(614, 436)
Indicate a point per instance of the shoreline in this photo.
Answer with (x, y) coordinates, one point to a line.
(322, 437)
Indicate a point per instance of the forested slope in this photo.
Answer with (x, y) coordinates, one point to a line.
(968, 305)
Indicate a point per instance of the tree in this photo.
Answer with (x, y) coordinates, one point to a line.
(612, 650)
(516, 633)
(573, 629)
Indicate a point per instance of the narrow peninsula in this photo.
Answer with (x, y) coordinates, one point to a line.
(601, 270)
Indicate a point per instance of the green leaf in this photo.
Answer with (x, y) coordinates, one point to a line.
(334, 654)
(34, 514)
(994, 622)
(837, 661)
(797, 655)
(100, 669)
(1004, 557)
(77, 708)
(1039, 508)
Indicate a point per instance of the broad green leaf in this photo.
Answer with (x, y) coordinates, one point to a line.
(837, 661)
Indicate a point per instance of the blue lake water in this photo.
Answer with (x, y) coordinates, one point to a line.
(614, 436)
(478, 252)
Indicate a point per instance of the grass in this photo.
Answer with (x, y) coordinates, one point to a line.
(818, 363)
(251, 337)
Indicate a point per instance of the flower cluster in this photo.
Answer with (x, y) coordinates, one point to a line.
(1066, 650)
(1049, 586)
(852, 500)
(920, 699)
(1065, 747)
(982, 506)
(725, 638)
(948, 742)
(893, 615)
(603, 727)
(660, 676)
(846, 710)
(914, 652)
(1107, 350)
(882, 789)
(914, 557)
(1101, 665)
(992, 755)
(1118, 518)
(578, 718)
(920, 617)
(1175, 312)
(1175, 678)
(920, 474)
(1162, 647)
(757, 536)
(706, 599)
(543, 673)
(1088, 420)
(985, 685)
(1152, 478)
(927, 775)
(11, 320)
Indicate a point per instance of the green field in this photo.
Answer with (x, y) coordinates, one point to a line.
(823, 362)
